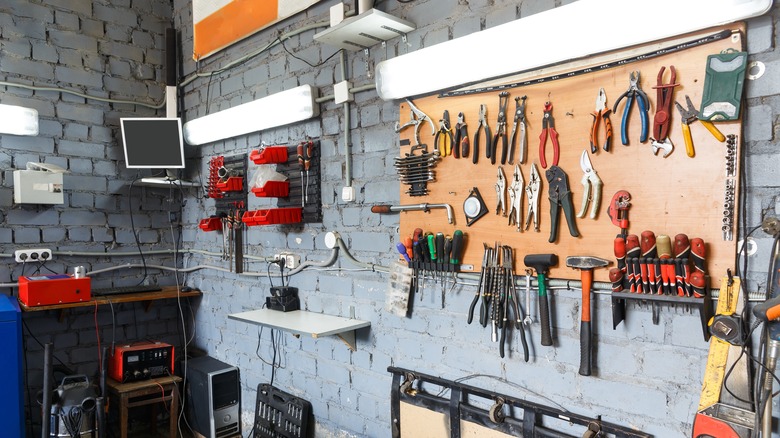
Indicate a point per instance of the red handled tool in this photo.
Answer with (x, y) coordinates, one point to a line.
(664, 245)
(586, 265)
(633, 251)
(601, 112)
(618, 211)
(649, 252)
(304, 159)
(698, 257)
(548, 129)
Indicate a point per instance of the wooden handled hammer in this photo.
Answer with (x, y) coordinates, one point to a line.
(586, 265)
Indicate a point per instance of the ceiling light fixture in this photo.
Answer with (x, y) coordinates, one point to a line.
(18, 120)
(279, 109)
(580, 29)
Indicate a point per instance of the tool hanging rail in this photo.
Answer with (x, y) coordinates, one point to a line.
(407, 386)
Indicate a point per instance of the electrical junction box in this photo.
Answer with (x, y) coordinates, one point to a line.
(38, 187)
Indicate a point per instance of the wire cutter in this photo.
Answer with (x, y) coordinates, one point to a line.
(634, 91)
(500, 192)
(516, 198)
(482, 123)
(461, 138)
(560, 196)
(503, 99)
(548, 128)
(443, 140)
(416, 118)
(590, 180)
(689, 116)
(601, 112)
(519, 120)
(532, 197)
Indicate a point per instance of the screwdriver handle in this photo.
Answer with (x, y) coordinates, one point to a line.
(402, 250)
(440, 255)
(457, 247)
(431, 246)
(447, 250)
(408, 245)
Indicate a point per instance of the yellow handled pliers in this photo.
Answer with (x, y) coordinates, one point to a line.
(689, 116)
(444, 140)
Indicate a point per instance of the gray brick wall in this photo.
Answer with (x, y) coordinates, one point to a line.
(115, 49)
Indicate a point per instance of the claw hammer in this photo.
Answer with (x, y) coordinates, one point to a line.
(541, 263)
(586, 265)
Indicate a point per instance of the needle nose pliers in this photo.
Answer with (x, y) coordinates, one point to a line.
(634, 91)
(548, 128)
(503, 99)
(482, 123)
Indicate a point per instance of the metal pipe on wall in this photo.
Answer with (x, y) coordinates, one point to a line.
(347, 143)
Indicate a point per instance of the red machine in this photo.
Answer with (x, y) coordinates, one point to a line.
(141, 361)
(44, 290)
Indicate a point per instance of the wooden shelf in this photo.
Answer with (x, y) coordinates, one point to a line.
(164, 294)
(302, 322)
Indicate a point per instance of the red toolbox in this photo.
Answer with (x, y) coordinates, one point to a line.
(273, 216)
(273, 189)
(44, 290)
(269, 155)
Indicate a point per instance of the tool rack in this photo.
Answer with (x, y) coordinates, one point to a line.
(702, 305)
(677, 193)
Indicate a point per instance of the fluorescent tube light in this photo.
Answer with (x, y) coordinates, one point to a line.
(18, 120)
(278, 109)
(577, 30)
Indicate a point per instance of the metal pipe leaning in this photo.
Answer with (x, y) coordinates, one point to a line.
(383, 209)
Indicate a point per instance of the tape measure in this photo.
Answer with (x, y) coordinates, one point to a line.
(717, 359)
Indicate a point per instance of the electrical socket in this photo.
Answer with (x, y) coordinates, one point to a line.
(291, 261)
(32, 255)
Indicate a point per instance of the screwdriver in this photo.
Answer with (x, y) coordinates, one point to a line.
(455, 254)
(443, 264)
(432, 248)
(440, 254)
(408, 246)
(304, 159)
(402, 250)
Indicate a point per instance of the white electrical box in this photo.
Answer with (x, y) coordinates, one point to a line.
(38, 187)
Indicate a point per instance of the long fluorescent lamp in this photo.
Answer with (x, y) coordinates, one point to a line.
(18, 120)
(278, 109)
(577, 30)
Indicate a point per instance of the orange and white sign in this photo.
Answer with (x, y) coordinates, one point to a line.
(220, 23)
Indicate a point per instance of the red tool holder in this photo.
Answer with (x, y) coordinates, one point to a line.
(210, 224)
(214, 165)
(274, 216)
(232, 184)
(269, 155)
(273, 189)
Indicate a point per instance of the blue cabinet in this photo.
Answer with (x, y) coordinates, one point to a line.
(11, 368)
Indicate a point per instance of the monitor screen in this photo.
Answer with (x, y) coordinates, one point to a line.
(153, 143)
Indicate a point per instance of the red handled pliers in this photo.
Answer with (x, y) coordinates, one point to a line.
(548, 125)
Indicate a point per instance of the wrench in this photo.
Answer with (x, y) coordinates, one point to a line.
(528, 320)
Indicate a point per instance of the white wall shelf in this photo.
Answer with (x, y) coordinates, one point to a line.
(302, 322)
(365, 30)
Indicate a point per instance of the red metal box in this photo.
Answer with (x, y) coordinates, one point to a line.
(44, 290)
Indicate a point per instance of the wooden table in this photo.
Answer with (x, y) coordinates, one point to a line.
(146, 392)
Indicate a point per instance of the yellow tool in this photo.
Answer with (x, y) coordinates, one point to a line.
(713, 417)
(689, 116)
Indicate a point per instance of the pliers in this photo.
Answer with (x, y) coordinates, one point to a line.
(461, 138)
(519, 120)
(481, 124)
(443, 140)
(590, 180)
(500, 192)
(560, 196)
(634, 91)
(503, 99)
(532, 197)
(601, 112)
(416, 118)
(689, 116)
(516, 198)
(548, 128)
(510, 303)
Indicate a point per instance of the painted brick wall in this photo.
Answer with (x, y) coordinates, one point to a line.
(647, 376)
(115, 49)
(109, 50)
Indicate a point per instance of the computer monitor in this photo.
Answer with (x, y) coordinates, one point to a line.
(153, 143)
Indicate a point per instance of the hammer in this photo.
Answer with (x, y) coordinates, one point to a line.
(541, 263)
(585, 265)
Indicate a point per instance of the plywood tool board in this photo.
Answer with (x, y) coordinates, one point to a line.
(672, 195)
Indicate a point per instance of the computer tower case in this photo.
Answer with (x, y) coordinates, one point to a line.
(213, 402)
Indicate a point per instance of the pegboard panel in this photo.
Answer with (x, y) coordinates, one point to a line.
(672, 195)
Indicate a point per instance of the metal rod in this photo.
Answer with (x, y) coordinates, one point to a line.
(48, 371)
